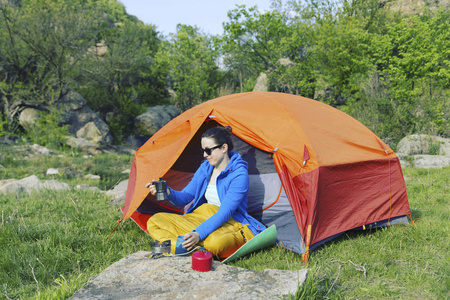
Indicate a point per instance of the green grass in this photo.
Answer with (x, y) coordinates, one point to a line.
(52, 242)
(21, 161)
(399, 262)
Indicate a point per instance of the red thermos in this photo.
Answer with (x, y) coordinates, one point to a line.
(202, 260)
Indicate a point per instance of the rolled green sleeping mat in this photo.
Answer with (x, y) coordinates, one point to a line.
(262, 240)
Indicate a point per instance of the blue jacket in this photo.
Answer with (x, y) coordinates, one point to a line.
(232, 187)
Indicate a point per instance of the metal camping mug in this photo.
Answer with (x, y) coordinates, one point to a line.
(161, 189)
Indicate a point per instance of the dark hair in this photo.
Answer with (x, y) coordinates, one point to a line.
(221, 135)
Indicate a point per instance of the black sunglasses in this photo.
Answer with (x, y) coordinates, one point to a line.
(208, 150)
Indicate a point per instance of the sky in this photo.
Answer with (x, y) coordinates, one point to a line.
(208, 15)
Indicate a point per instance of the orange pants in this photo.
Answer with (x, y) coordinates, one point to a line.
(223, 242)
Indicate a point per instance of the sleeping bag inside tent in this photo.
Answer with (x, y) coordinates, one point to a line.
(315, 172)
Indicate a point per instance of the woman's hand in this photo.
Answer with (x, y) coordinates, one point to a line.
(190, 240)
(151, 187)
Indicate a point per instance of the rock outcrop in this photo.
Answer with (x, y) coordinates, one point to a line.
(424, 151)
(262, 83)
(117, 193)
(27, 184)
(139, 277)
(83, 144)
(155, 118)
(414, 7)
(83, 121)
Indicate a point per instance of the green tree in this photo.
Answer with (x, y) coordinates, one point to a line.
(50, 46)
(190, 58)
(254, 42)
(122, 68)
(345, 35)
(417, 72)
(420, 52)
(387, 69)
(297, 72)
(44, 40)
(406, 90)
(119, 76)
(41, 43)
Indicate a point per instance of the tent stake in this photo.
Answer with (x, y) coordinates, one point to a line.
(117, 224)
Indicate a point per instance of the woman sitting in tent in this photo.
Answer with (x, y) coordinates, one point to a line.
(218, 218)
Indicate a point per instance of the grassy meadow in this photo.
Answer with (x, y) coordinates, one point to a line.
(52, 242)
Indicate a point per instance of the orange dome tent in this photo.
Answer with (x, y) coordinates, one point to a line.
(314, 171)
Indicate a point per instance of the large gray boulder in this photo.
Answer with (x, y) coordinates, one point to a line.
(6, 181)
(431, 161)
(423, 144)
(82, 120)
(136, 141)
(28, 117)
(30, 184)
(138, 277)
(83, 144)
(117, 193)
(424, 151)
(41, 150)
(78, 115)
(56, 185)
(155, 118)
(27, 184)
(90, 132)
(11, 187)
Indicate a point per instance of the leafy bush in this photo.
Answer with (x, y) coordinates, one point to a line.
(7, 126)
(434, 147)
(47, 131)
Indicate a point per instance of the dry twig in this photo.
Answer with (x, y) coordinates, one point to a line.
(339, 272)
(32, 272)
(6, 292)
(359, 267)
(430, 180)
(428, 184)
